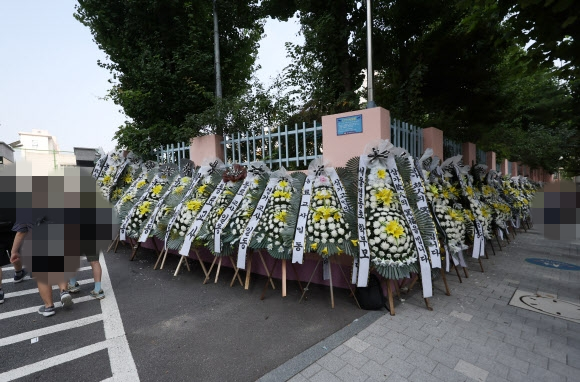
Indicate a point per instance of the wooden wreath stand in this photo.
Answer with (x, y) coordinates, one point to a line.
(236, 269)
(271, 272)
(249, 259)
(136, 246)
(115, 242)
(330, 262)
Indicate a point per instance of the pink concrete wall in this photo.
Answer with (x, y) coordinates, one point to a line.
(338, 149)
(490, 160)
(514, 169)
(433, 138)
(504, 167)
(207, 146)
(469, 151)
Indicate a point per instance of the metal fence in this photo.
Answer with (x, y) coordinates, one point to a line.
(173, 153)
(481, 157)
(451, 148)
(407, 136)
(293, 149)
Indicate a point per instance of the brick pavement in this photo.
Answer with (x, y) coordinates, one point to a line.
(472, 335)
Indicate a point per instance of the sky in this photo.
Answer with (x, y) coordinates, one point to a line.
(50, 80)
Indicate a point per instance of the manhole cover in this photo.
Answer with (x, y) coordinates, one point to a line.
(546, 305)
(554, 264)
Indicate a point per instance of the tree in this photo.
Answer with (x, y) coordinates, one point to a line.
(161, 57)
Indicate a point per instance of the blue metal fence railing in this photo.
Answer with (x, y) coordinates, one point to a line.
(407, 136)
(173, 153)
(481, 157)
(451, 148)
(293, 149)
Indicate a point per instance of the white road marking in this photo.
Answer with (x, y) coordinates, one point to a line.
(11, 280)
(122, 363)
(53, 361)
(50, 330)
(34, 309)
(35, 290)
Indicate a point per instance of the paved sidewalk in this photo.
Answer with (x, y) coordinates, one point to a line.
(471, 335)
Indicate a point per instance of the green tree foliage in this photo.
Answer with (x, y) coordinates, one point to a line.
(161, 57)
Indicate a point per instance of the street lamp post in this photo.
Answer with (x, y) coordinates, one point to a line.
(370, 98)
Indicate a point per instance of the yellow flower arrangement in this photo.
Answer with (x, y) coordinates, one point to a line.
(283, 184)
(469, 214)
(117, 194)
(281, 194)
(394, 228)
(193, 205)
(201, 189)
(455, 215)
(178, 190)
(280, 216)
(107, 180)
(145, 207)
(141, 183)
(469, 190)
(128, 179)
(385, 196)
(434, 190)
(382, 173)
(322, 195)
(157, 189)
(325, 212)
(127, 198)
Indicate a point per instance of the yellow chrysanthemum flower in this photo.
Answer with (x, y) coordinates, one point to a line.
(325, 212)
(469, 215)
(395, 229)
(434, 190)
(157, 189)
(256, 181)
(127, 198)
(178, 190)
(382, 173)
(283, 184)
(385, 196)
(455, 215)
(484, 212)
(469, 190)
(322, 195)
(141, 183)
(354, 242)
(117, 194)
(280, 216)
(107, 180)
(201, 189)
(145, 207)
(220, 211)
(313, 246)
(128, 179)
(281, 194)
(193, 205)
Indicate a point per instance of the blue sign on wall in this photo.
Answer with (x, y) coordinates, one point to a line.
(554, 264)
(349, 125)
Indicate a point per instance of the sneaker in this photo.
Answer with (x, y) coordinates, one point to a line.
(23, 276)
(66, 299)
(46, 312)
(1, 295)
(98, 295)
(73, 288)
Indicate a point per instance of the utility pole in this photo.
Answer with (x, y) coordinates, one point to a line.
(370, 99)
(216, 44)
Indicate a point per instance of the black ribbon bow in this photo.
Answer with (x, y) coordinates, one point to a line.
(376, 154)
(186, 169)
(319, 171)
(256, 170)
(167, 171)
(149, 165)
(213, 167)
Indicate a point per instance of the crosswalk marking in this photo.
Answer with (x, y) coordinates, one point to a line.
(52, 361)
(35, 290)
(34, 309)
(50, 330)
(11, 280)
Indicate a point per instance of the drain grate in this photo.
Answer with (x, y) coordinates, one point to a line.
(553, 264)
(546, 304)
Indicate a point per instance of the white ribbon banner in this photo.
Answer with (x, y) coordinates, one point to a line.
(253, 222)
(361, 265)
(151, 221)
(298, 250)
(419, 189)
(130, 214)
(419, 244)
(228, 213)
(178, 208)
(99, 166)
(200, 218)
(120, 171)
(339, 189)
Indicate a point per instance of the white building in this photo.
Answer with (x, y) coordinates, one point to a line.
(41, 149)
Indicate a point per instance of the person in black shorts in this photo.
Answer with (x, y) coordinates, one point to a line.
(97, 292)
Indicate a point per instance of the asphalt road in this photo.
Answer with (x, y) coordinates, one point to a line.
(153, 326)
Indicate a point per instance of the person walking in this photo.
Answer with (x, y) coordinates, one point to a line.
(97, 292)
(20, 273)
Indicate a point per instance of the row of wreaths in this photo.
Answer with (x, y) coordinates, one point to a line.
(390, 212)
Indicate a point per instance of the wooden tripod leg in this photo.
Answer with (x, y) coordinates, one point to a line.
(309, 281)
(164, 258)
(217, 274)
(159, 257)
(266, 268)
(492, 248)
(210, 269)
(113, 242)
(447, 292)
(236, 273)
(135, 249)
(480, 264)
(263, 296)
(117, 244)
(458, 275)
(498, 243)
(507, 234)
(203, 268)
(297, 278)
(466, 273)
(331, 288)
(411, 286)
(428, 305)
(283, 277)
(390, 298)
(348, 283)
(179, 265)
(248, 270)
